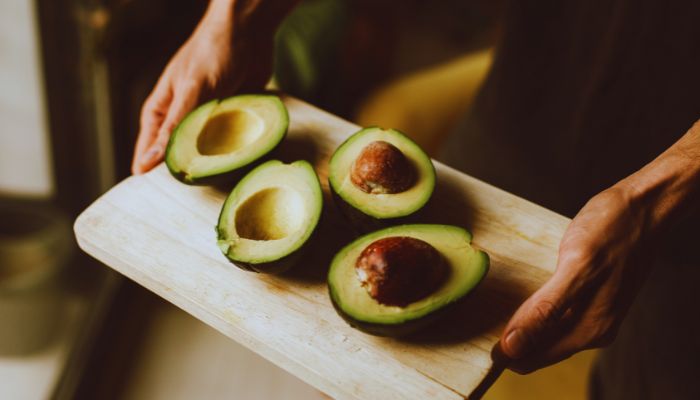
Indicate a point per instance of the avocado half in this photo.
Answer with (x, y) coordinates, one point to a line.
(368, 211)
(220, 138)
(270, 215)
(467, 268)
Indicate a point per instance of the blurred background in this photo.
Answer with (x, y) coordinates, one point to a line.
(73, 76)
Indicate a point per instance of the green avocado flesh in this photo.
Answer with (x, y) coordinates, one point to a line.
(381, 206)
(468, 266)
(223, 136)
(270, 215)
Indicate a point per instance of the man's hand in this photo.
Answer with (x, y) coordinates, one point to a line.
(230, 51)
(603, 258)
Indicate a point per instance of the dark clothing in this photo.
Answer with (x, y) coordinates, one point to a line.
(582, 94)
(655, 354)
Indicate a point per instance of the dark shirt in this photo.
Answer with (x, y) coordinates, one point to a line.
(582, 94)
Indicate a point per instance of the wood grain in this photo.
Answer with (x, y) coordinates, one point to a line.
(160, 233)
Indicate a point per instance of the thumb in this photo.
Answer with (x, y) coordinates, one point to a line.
(183, 103)
(538, 319)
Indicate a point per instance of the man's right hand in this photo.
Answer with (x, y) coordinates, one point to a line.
(227, 53)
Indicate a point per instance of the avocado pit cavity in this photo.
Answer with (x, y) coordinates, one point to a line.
(400, 270)
(228, 132)
(271, 214)
(381, 168)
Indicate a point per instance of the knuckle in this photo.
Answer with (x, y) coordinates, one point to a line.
(546, 311)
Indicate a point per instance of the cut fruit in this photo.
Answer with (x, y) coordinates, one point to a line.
(270, 215)
(219, 139)
(467, 267)
(378, 176)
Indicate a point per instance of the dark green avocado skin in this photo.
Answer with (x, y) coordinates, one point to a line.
(405, 328)
(363, 223)
(274, 267)
(213, 180)
(393, 330)
(224, 178)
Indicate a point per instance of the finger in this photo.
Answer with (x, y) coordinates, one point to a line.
(183, 103)
(584, 333)
(555, 345)
(538, 319)
(588, 322)
(594, 321)
(559, 351)
(153, 113)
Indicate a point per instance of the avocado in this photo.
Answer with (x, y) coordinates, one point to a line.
(422, 269)
(379, 176)
(219, 139)
(269, 216)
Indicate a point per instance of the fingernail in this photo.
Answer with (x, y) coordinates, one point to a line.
(516, 343)
(150, 155)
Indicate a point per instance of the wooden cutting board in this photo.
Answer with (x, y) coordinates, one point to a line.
(160, 233)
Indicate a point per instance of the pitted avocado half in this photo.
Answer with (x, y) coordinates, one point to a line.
(221, 138)
(270, 215)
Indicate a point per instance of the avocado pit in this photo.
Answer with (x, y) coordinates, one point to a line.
(400, 270)
(381, 168)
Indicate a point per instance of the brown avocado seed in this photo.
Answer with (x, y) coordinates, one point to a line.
(400, 270)
(382, 168)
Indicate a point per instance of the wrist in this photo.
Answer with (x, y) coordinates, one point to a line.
(216, 26)
(668, 188)
(246, 20)
(258, 20)
(219, 12)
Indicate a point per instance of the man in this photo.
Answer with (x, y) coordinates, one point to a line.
(587, 108)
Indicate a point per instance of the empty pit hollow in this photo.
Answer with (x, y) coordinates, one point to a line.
(270, 214)
(230, 131)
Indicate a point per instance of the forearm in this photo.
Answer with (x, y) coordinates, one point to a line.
(254, 17)
(669, 186)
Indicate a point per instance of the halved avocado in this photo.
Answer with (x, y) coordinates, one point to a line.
(467, 267)
(270, 215)
(380, 208)
(220, 138)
